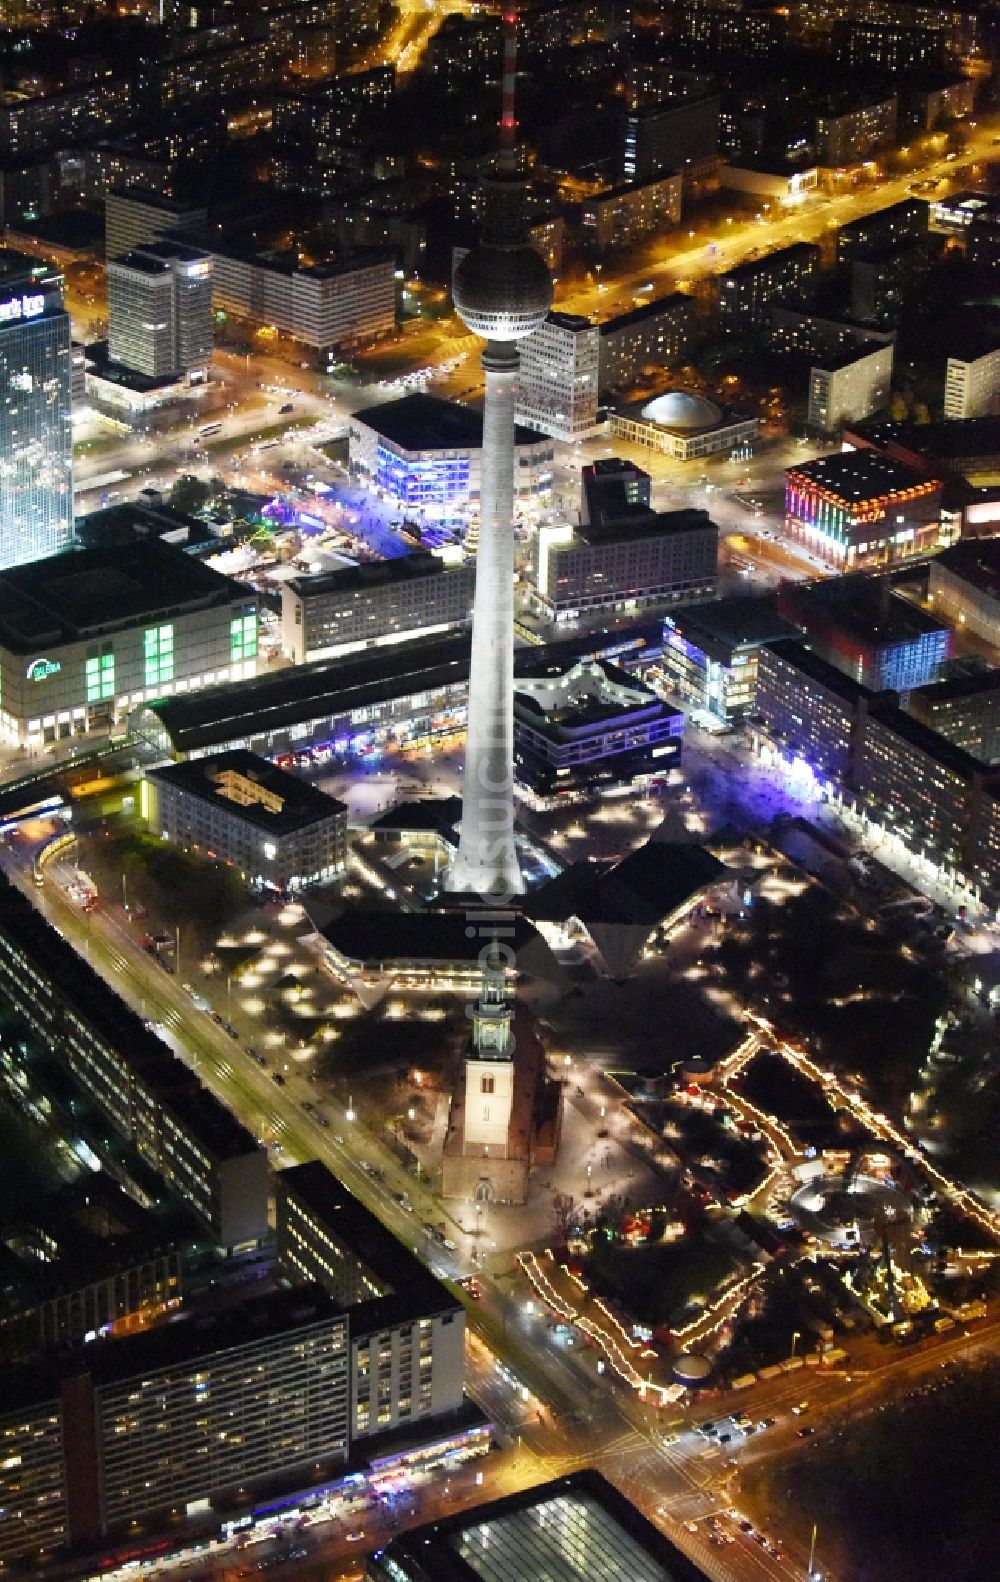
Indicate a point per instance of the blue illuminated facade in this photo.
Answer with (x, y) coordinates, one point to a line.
(422, 481)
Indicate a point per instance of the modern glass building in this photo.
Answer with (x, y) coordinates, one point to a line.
(575, 1529)
(36, 441)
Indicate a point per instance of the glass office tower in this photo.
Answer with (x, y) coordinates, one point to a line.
(36, 440)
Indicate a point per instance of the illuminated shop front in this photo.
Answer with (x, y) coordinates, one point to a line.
(857, 510)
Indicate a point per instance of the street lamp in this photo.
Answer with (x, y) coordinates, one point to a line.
(349, 1112)
(796, 1335)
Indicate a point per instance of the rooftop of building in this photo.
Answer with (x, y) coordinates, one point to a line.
(189, 1336)
(288, 262)
(424, 815)
(136, 519)
(683, 411)
(642, 524)
(91, 1228)
(569, 321)
(609, 194)
(286, 803)
(335, 688)
(609, 490)
(982, 684)
(862, 605)
(17, 267)
(412, 1291)
(976, 561)
(577, 697)
(569, 1530)
(730, 623)
(947, 440)
(369, 574)
(916, 208)
(153, 1063)
(159, 255)
(832, 362)
(433, 937)
(214, 716)
(156, 200)
(68, 597)
(140, 262)
(420, 422)
(674, 302)
(760, 266)
(857, 477)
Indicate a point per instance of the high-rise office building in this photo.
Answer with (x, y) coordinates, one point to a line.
(36, 440)
(136, 215)
(160, 310)
(502, 291)
(972, 379)
(559, 368)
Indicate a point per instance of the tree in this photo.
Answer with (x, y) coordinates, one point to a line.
(564, 1217)
(189, 494)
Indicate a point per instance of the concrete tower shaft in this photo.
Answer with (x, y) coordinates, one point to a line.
(486, 862)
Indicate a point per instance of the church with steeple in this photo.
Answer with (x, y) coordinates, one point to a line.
(506, 1113)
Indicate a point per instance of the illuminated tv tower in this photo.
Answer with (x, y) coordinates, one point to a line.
(502, 290)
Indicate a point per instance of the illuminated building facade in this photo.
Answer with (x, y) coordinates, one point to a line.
(897, 225)
(557, 391)
(710, 651)
(659, 557)
(965, 711)
(746, 292)
(846, 388)
(620, 216)
(857, 509)
(847, 136)
(110, 630)
(377, 602)
(36, 438)
(160, 310)
(341, 302)
(587, 726)
(187, 1411)
(135, 216)
(869, 632)
(972, 383)
(655, 335)
(406, 1330)
(123, 1068)
(32, 1473)
(275, 828)
(427, 455)
(673, 135)
(935, 798)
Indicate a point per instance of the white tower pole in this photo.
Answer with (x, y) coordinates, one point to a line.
(487, 858)
(502, 290)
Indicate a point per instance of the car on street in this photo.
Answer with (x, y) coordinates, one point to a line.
(278, 1078)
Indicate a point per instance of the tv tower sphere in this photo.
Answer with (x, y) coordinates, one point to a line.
(502, 290)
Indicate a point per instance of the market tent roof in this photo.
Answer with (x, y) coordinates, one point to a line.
(642, 888)
(619, 902)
